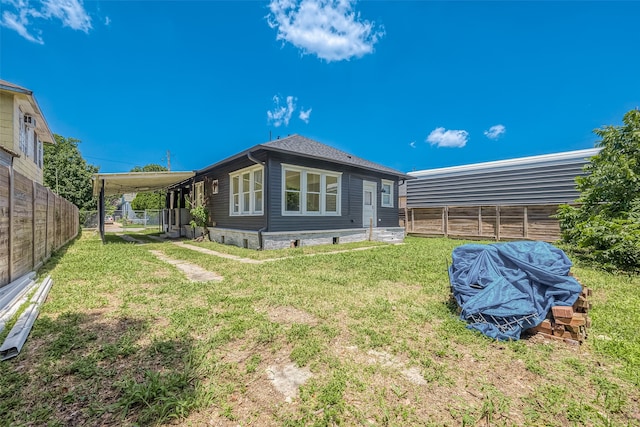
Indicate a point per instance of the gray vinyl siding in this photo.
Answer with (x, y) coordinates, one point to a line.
(218, 204)
(350, 200)
(272, 220)
(541, 182)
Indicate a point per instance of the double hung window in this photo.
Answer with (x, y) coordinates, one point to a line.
(247, 191)
(307, 191)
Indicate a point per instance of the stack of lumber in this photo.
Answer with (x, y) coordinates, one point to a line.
(566, 323)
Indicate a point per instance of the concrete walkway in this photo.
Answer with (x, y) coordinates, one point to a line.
(219, 254)
(262, 261)
(195, 273)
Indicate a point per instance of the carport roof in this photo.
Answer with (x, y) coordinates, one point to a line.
(133, 182)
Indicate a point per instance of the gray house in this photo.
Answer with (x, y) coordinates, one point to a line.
(292, 192)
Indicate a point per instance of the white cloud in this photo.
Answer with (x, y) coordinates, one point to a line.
(70, 12)
(329, 29)
(412, 144)
(448, 138)
(494, 132)
(19, 24)
(304, 115)
(107, 21)
(281, 114)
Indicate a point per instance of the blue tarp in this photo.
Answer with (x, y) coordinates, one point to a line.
(505, 288)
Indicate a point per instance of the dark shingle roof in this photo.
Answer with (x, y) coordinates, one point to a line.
(306, 147)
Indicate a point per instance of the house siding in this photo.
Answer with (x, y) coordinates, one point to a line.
(218, 204)
(10, 137)
(351, 197)
(533, 181)
(7, 123)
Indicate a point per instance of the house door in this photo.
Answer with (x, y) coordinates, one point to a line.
(369, 203)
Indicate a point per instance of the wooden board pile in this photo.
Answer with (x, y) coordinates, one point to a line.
(564, 323)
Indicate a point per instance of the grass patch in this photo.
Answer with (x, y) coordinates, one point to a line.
(126, 339)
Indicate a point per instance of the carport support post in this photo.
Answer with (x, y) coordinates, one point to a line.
(101, 211)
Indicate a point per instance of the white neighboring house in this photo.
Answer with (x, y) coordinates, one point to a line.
(23, 130)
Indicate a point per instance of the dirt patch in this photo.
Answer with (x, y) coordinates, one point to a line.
(287, 379)
(193, 272)
(290, 315)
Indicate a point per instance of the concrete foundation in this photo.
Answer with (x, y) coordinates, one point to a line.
(291, 239)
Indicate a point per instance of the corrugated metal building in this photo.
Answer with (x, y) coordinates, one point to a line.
(546, 179)
(506, 199)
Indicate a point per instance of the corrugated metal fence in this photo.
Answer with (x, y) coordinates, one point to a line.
(34, 222)
(530, 222)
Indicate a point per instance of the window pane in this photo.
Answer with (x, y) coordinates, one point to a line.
(313, 202)
(257, 201)
(257, 180)
(313, 182)
(367, 198)
(386, 188)
(245, 202)
(293, 201)
(236, 203)
(331, 203)
(235, 188)
(332, 184)
(292, 180)
(386, 199)
(246, 178)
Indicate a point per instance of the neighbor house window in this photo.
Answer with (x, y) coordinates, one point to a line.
(387, 193)
(308, 191)
(23, 134)
(246, 192)
(200, 193)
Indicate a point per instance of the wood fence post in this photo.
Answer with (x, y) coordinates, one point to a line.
(413, 218)
(33, 225)
(497, 233)
(479, 221)
(46, 228)
(445, 221)
(11, 228)
(525, 223)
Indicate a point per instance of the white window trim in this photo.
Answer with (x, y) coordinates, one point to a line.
(252, 209)
(303, 192)
(390, 184)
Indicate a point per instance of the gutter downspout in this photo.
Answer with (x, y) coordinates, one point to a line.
(265, 198)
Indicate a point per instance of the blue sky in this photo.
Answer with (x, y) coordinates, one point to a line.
(410, 84)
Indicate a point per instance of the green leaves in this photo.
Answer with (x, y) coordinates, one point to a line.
(606, 226)
(68, 174)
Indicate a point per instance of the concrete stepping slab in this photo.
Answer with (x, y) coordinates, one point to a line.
(194, 272)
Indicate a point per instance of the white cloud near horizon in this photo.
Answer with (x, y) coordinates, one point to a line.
(495, 132)
(304, 115)
(412, 144)
(329, 29)
(107, 21)
(441, 137)
(70, 12)
(281, 114)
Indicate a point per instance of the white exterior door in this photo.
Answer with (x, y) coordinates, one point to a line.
(369, 203)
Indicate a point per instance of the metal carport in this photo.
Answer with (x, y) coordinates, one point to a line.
(132, 182)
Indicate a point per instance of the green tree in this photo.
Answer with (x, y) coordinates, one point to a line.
(606, 225)
(68, 174)
(152, 167)
(149, 199)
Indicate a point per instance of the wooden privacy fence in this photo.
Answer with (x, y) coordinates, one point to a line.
(34, 222)
(532, 222)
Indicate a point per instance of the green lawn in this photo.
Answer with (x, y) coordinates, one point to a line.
(125, 339)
